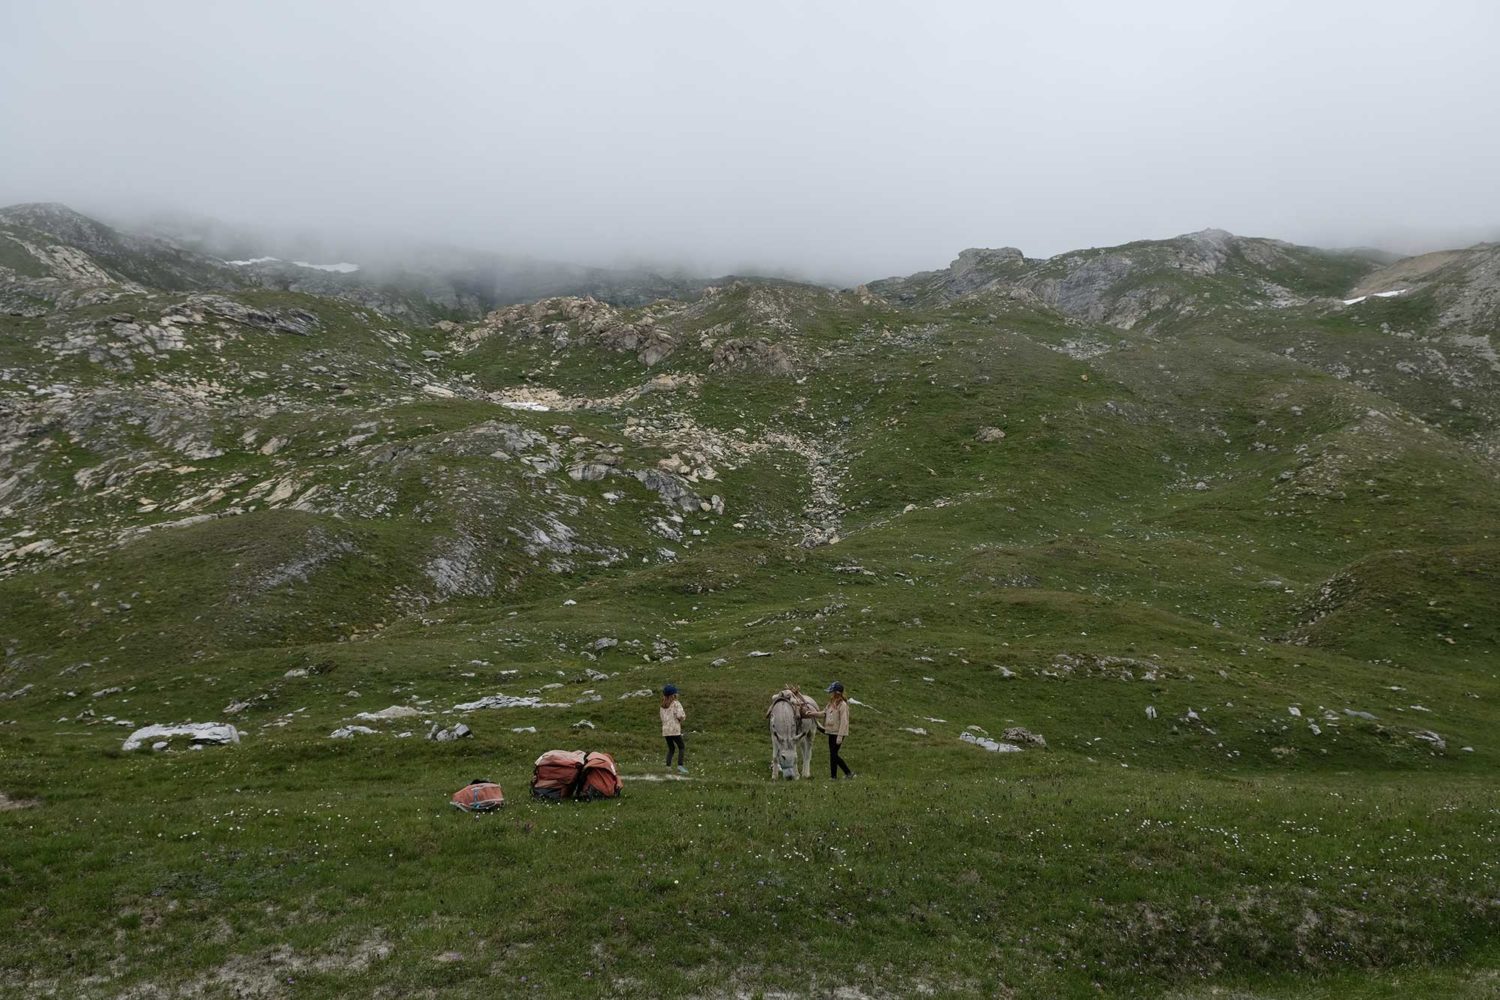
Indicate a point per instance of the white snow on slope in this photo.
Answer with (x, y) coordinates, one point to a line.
(1378, 295)
(343, 267)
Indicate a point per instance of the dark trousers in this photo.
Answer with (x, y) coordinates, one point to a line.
(834, 760)
(675, 743)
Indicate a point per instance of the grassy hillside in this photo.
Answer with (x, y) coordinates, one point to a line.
(1236, 565)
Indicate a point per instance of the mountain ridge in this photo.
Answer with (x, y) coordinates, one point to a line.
(1217, 530)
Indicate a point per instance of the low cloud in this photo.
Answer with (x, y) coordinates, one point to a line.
(839, 141)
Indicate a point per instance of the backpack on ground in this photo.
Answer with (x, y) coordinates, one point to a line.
(575, 774)
(479, 795)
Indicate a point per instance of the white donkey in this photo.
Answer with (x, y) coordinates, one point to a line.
(791, 733)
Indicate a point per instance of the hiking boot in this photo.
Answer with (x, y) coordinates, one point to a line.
(681, 769)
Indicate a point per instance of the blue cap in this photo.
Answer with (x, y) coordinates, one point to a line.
(669, 689)
(835, 686)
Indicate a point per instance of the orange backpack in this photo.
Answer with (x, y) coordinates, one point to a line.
(478, 796)
(575, 774)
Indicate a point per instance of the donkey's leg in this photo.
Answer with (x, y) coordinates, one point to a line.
(805, 745)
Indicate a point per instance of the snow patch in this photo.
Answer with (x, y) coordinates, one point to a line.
(343, 267)
(1376, 295)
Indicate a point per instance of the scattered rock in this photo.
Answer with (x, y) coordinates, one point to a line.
(759, 354)
(986, 743)
(1428, 736)
(671, 488)
(347, 732)
(989, 435)
(394, 712)
(458, 731)
(1018, 734)
(506, 701)
(588, 472)
(198, 733)
(241, 704)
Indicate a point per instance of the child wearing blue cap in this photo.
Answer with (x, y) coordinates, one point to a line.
(672, 715)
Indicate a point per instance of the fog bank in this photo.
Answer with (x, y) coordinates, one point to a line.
(842, 141)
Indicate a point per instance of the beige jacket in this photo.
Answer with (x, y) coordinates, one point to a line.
(671, 719)
(836, 719)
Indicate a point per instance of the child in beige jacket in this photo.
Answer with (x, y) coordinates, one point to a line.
(672, 715)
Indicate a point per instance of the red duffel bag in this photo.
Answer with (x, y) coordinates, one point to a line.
(478, 796)
(575, 774)
(600, 779)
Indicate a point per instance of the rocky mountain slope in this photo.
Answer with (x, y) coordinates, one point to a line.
(1209, 506)
(1146, 285)
(558, 440)
(52, 256)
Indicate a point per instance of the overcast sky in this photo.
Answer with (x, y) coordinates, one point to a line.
(846, 141)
